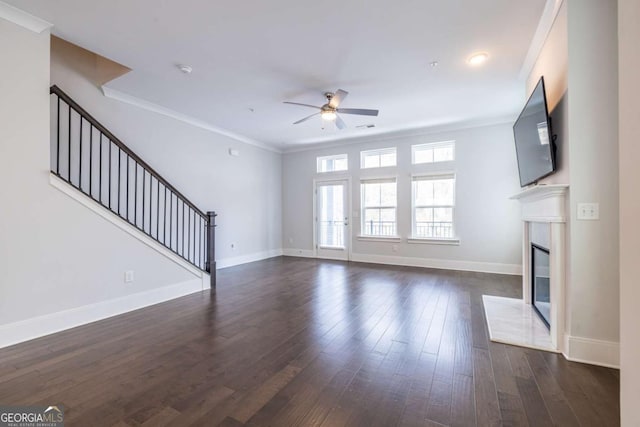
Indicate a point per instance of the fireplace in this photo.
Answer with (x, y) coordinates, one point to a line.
(541, 283)
(538, 319)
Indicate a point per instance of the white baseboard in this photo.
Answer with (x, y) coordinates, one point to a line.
(25, 330)
(445, 264)
(303, 253)
(243, 259)
(594, 352)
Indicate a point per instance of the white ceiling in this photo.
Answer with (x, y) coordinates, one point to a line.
(254, 55)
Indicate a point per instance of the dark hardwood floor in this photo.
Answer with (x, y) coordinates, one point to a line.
(301, 342)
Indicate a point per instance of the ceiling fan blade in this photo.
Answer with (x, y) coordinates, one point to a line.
(340, 124)
(337, 98)
(306, 118)
(304, 105)
(360, 111)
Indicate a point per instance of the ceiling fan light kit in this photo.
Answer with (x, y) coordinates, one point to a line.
(330, 110)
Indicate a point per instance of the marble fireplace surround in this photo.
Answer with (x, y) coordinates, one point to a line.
(513, 321)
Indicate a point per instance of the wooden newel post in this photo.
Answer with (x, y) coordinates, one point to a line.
(211, 247)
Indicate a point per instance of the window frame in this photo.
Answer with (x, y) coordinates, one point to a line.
(379, 152)
(381, 237)
(433, 146)
(334, 157)
(415, 238)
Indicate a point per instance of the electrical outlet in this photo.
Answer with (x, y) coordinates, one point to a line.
(394, 248)
(290, 240)
(589, 211)
(128, 277)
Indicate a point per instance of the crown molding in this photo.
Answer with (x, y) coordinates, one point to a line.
(548, 17)
(150, 106)
(23, 19)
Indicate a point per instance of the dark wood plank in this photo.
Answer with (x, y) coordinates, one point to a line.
(534, 406)
(291, 341)
(487, 406)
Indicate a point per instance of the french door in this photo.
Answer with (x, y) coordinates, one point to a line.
(332, 219)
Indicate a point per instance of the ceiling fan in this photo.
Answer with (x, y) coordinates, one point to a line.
(330, 110)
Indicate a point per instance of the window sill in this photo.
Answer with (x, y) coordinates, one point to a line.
(379, 238)
(427, 241)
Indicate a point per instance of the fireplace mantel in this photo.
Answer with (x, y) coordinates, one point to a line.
(545, 204)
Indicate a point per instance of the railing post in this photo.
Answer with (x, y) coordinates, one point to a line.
(211, 251)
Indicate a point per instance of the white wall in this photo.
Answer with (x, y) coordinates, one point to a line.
(54, 253)
(629, 101)
(593, 147)
(579, 63)
(553, 63)
(59, 259)
(487, 222)
(245, 191)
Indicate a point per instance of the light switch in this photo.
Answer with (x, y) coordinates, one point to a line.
(589, 211)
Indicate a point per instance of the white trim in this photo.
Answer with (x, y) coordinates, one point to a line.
(25, 330)
(594, 352)
(114, 219)
(23, 19)
(244, 259)
(302, 253)
(428, 241)
(445, 264)
(548, 17)
(365, 238)
(150, 106)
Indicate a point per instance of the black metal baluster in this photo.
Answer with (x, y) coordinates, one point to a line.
(193, 235)
(189, 233)
(135, 197)
(157, 210)
(80, 158)
(109, 174)
(164, 217)
(58, 139)
(183, 228)
(119, 173)
(128, 173)
(171, 220)
(91, 161)
(69, 153)
(100, 174)
(144, 190)
(150, 200)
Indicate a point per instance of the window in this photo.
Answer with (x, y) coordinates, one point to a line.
(335, 163)
(378, 158)
(378, 207)
(433, 205)
(433, 152)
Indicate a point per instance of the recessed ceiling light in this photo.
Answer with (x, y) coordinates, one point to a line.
(478, 58)
(185, 68)
(433, 64)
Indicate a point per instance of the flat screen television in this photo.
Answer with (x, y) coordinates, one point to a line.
(535, 146)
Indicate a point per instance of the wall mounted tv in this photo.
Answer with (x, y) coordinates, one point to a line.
(535, 145)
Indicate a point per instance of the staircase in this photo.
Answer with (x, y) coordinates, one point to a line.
(92, 160)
